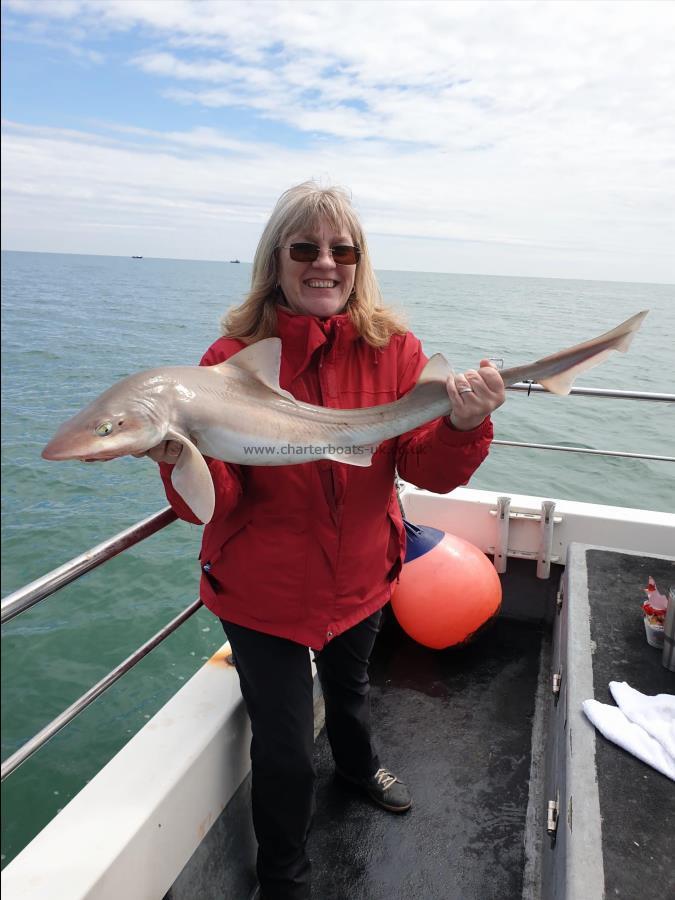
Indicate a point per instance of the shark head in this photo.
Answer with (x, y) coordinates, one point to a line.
(117, 423)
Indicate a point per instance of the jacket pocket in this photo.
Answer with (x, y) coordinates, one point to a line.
(213, 547)
(396, 545)
(259, 571)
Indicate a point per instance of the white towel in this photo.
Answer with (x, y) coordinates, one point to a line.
(656, 714)
(642, 724)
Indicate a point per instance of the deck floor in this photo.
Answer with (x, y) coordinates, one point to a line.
(637, 803)
(456, 726)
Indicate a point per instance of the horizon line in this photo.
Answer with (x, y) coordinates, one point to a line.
(417, 271)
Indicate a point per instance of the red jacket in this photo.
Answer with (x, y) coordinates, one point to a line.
(306, 551)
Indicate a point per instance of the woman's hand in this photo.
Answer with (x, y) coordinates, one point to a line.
(474, 395)
(166, 452)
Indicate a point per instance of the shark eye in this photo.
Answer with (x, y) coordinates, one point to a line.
(104, 429)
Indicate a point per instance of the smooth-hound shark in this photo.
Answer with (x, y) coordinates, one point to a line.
(237, 412)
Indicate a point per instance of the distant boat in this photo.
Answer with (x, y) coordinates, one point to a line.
(235, 260)
(137, 257)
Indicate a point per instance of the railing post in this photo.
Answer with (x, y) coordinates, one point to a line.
(502, 541)
(545, 539)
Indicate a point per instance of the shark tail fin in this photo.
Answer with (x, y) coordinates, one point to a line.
(558, 372)
(618, 338)
(625, 332)
(561, 383)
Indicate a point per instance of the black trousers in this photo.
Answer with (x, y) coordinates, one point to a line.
(276, 683)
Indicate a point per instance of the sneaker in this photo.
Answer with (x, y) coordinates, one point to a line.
(384, 789)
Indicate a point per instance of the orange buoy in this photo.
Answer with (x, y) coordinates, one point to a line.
(448, 588)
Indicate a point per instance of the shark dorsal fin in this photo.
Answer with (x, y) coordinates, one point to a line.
(437, 369)
(263, 361)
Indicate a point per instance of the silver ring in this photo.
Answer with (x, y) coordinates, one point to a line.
(466, 390)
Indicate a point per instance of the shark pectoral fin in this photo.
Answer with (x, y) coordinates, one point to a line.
(263, 361)
(192, 479)
(354, 456)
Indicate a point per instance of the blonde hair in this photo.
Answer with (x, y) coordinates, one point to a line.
(298, 209)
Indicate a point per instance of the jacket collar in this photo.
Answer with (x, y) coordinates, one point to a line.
(302, 336)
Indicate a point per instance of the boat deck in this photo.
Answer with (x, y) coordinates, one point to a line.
(457, 727)
(491, 739)
(479, 738)
(637, 803)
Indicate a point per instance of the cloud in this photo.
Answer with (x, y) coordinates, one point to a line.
(450, 75)
(542, 127)
(211, 194)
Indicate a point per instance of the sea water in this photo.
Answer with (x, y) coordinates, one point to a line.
(73, 325)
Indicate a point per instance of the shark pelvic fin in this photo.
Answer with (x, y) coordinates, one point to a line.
(263, 361)
(354, 456)
(192, 479)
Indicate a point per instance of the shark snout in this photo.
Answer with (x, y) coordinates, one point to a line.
(75, 443)
(62, 449)
(55, 453)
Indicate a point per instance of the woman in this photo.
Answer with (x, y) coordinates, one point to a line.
(305, 556)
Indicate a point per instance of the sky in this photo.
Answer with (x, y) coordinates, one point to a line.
(504, 138)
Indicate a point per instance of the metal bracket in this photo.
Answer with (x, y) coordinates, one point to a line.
(547, 519)
(546, 538)
(555, 686)
(521, 515)
(503, 513)
(552, 816)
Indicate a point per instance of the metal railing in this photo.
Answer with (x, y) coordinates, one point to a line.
(532, 388)
(53, 581)
(620, 453)
(29, 595)
(30, 747)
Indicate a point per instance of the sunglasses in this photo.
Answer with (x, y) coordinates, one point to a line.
(343, 254)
